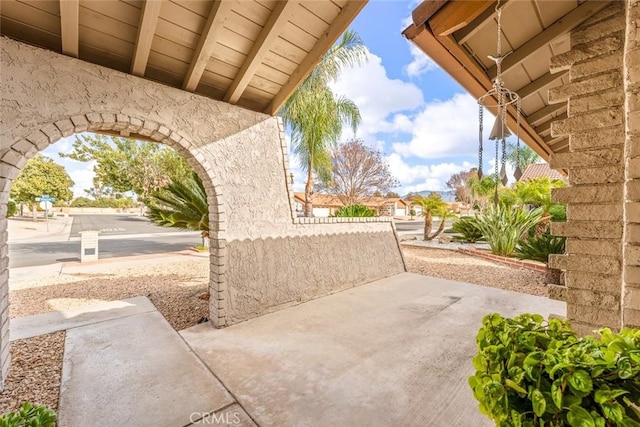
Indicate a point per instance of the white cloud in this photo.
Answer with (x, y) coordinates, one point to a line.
(444, 129)
(421, 62)
(423, 177)
(383, 102)
(82, 178)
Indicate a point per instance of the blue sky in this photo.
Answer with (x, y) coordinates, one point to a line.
(423, 122)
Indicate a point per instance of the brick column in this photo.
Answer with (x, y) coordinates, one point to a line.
(631, 253)
(595, 162)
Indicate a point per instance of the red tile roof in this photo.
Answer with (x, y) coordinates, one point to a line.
(541, 170)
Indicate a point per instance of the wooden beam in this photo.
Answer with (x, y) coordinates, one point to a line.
(278, 18)
(220, 11)
(69, 25)
(426, 10)
(457, 14)
(546, 126)
(324, 43)
(545, 112)
(468, 74)
(559, 28)
(464, 34)
(539, 83)
(146, 29)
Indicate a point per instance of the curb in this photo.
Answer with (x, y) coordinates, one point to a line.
(529, 265)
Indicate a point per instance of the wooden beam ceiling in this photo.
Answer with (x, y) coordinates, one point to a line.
(457, 14)
(539, 83)
(465, 33)
(277, 21)
(146, 30)
(545, 112)
(340, 23)
(546, 126)
(219, 14)
(69, 25)
(562, 26)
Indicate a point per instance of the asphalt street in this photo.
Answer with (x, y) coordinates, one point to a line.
(115, 225)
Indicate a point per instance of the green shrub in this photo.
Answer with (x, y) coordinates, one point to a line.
(503, 228)
(468, 227)
(12, 208)
(558, 213)
(29, 416)
(105, 202)
(533, 373)
(355, 211)
(539, 248)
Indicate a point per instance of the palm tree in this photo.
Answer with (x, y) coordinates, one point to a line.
(432, 204)
(316, 116)
(523, 157)
(182, 205)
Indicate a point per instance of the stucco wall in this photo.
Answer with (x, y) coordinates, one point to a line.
(262, 256)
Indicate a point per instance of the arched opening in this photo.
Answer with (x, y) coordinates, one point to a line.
(16, 156)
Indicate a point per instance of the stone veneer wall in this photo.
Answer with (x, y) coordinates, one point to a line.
(262, 257)
(600, 236)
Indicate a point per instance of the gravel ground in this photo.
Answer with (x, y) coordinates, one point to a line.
(453, 265)
(175, 288)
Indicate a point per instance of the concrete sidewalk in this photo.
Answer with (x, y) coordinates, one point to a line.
(26, 230)
(393, 352)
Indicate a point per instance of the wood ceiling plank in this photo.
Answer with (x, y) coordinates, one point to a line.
(324, 10)
(457, 14)
(546, 126)
(30, 16)
(217, 17)
(465, 33)
(425, 10)
(539, 83)
(29, 34)
(326, 40)
(147, 28)
(252, 10)
(69, 25)
(106, 24)
(562, 26)
(119, 10)
(278, 19)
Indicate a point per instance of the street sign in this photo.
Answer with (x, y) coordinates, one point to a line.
(46, 205)
(45, 198)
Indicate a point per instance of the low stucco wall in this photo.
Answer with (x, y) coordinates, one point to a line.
(269, 274)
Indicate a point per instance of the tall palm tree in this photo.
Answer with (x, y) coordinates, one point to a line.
(182, 204)
(316, 116)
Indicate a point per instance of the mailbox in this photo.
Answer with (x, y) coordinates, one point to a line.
(89, 246)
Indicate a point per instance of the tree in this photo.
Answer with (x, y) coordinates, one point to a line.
(392, 194)
(459, 183)
(182, 204)
(482, 190)
(432, 205)
(42, 176)
(124, 164)
(358, 171)
(316, 116)
(522, 157)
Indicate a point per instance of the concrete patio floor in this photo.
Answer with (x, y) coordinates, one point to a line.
(393, 352)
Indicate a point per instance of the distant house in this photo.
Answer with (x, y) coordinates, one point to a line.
(325, 205)
(541, 170)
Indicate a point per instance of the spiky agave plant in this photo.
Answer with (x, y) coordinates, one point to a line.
(503, 227)
(182, 205)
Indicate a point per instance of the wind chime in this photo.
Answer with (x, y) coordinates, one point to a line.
(499, 98)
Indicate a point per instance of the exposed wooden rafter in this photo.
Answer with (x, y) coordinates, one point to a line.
(340, 23)
(69, 25)
(546, 126)
(274, 25)
(457, 14)
(220, 12)
(539, 83)
(466, 32)
(146, 30)
(559, 28)
(545, 112)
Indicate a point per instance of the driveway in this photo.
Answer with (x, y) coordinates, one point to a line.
(393, 352)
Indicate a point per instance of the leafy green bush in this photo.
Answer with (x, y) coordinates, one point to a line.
(12, 208)
(104, 202)
(558, 213)
(29, 416)
(468, 227)
(539, 248)
(533, 373)
(504, 227)
(355, 211)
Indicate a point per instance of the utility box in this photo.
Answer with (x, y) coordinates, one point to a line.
(89, 246)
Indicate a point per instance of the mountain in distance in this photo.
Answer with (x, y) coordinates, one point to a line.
(447, 195)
